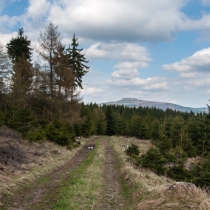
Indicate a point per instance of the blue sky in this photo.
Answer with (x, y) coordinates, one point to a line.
(150, 50)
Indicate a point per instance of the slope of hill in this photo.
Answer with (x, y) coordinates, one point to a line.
(150, 191)
(133, 102)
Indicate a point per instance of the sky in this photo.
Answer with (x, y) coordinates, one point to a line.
(144, 49)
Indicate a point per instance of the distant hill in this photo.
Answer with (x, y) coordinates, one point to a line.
(133, 102)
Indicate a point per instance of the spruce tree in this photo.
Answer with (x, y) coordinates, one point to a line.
(77, 60)
(19, 51)
(19, 47)
(99, 121)
(110, 121)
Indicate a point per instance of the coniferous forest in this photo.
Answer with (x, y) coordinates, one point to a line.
(40, 99)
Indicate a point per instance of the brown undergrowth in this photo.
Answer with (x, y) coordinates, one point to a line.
(21, 162)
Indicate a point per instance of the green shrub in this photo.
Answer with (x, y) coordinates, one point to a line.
(176, 155)
(201, 173)
(164, 144)
(37, 135)
(60, 133)
(178, 173)
(153, 160)
(20, 120)
(132, 150)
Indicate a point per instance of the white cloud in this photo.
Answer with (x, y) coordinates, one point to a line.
(36, 17)
(116, 19)
(120, 19)
(130, 57)
(110, 20)
(120, 51)
(38, 9)
(194, 73)
(4, 38)
(205, 2)
(196, 24)
(162, 85)
(125, 73)
(7, 22)
(107, 20)
(188, 75)
(200, 82)
(150, 84)
(131, 65)
(97, 51)
(91, 91)
(198, 62)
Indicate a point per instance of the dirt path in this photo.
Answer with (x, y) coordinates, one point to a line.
(43, 193)
(93, 182)
(111, 198)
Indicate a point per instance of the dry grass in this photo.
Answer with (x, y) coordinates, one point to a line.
(188, 196)
(150, 191)
(43, 164)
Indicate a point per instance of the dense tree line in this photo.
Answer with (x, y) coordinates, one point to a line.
(176, 136)
(167, 129)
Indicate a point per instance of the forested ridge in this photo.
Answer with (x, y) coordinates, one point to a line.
(41, 101)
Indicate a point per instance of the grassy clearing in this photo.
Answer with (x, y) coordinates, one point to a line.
(83, 188)
(149, 191)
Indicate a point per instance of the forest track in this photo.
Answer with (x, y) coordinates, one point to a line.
(103, 179)
(110, 197)
(44, 191)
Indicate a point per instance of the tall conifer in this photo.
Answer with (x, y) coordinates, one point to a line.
(19, 47)
(20, 53)
(77, 60)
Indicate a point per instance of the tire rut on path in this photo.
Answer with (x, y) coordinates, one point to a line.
(110, 195)
(44, 194)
